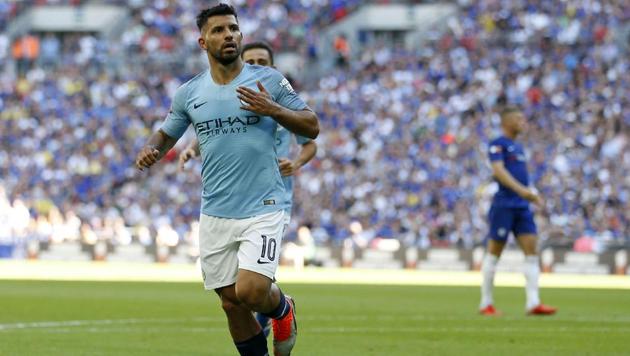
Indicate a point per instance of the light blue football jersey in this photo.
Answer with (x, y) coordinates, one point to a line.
(283, 147)
(239, 171)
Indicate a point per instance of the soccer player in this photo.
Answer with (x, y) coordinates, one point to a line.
(510, 212)
(235, 110)
(260, 53)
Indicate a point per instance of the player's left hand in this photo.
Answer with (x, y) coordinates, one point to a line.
(257, 102)
(186, 156)
(287, 167)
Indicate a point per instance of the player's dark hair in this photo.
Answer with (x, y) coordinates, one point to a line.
(218, 10)
(257, 45)
(509, 109)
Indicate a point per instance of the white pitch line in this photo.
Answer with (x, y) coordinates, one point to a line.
(136, 330)
(67, 324)
(71, 323)
(350, 330)
(473, 317)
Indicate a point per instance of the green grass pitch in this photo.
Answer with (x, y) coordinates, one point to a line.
(116, 318)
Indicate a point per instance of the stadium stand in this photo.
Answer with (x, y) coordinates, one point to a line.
(408, 162)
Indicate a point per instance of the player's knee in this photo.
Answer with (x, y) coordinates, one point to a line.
(229, 301)
(230, 306)
(252, 295)
(528, 243)
(530, 251)
(495, 247)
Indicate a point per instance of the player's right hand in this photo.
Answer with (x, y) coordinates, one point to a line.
(533, 197)
(147, 157)
(186, 156)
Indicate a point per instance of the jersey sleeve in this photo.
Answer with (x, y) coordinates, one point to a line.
(301, 140)
(495, 151)
(283, 93)
(177, 120)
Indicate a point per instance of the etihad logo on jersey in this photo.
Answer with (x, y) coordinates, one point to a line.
(228, 125)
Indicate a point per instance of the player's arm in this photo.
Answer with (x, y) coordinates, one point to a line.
(307, 152)
(158, 145)
(301, 122)
(164, 139)
(504, 177)
(191, 151)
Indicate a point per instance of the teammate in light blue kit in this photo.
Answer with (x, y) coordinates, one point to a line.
(259, 53)
(235, 110)
(287, 167)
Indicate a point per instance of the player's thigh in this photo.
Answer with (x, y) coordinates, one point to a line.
(495, 247)
(528, 243)
(501, 220)
(259, 249)
(218, 251)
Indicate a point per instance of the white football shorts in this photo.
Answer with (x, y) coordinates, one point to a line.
(227, 245)
(287, 218)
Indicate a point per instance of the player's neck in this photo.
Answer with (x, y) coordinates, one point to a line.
(224, 74)
(511, 135)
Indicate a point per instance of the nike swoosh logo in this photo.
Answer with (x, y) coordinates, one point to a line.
(199, 105)
(262, 262)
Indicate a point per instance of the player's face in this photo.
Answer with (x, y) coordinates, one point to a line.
(221, 38)
(516, 122)
(521, 123)
(259, 56)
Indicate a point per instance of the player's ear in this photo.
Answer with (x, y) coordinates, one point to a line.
(202, 43)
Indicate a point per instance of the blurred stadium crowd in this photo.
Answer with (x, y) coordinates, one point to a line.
(402, 149)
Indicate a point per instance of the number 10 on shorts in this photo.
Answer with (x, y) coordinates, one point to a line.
(268, 248)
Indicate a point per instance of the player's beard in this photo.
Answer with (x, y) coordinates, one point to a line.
(226, 59)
